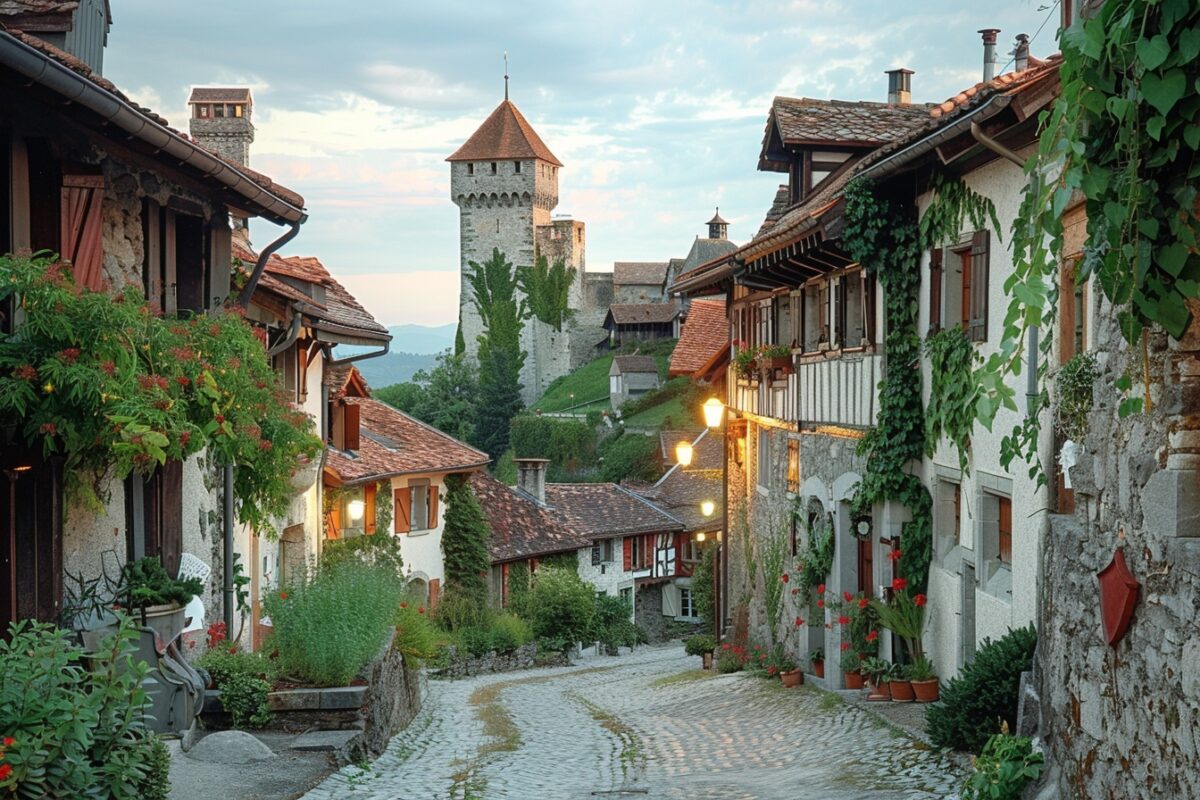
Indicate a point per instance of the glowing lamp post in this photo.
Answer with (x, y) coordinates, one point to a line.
(714, 412)
(683, 453)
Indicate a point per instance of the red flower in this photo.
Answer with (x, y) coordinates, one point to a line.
(845, 646)
(848, 596)
(9, 741)
(49, 428)
(26, 373)
(420, 609)
(843, 620)
(821, 589)
(799, 621)
(894, 555)
(795, 592)
(404, 605)
(899, 583)
(771, 670)
(183, 380)
(863, 602)
(784, 577)
(5, 771)
(725, 646)
(821, 603)
(109, 367)
(184, 438)
(283, 595)
(762, 656)
(70, 355)
(919, 600)
(872, 636)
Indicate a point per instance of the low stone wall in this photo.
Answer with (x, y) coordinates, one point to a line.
(524, 657)
(381, 707)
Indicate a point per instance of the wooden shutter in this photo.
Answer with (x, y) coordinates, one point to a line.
(935, 288)
(220, 259)
(435, 591)
(627, 552)
(351, 423)
(369, 508)
(171, 515)
(402, 509)
(333, 523)
(979, 286)
(868, 307)
(433, 495)
(80, 208)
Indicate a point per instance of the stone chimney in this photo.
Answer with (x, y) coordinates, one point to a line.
(899, 86)
(989, 52)
(532, 477)
(221, 122)
(1021, 53)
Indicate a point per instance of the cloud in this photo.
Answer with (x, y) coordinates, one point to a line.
(414, 87)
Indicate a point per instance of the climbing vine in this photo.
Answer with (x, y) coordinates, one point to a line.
(774, 559)
(952, 392)
(1124, 134)
(815, 558)
(547, 290)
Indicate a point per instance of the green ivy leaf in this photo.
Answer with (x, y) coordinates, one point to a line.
(1154, 127)
(1154, 51)
(1172, 258)
(1163, 92)
(1189, 45)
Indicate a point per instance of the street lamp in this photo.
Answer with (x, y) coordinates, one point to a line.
(714, 412)
(683, 453)
(356, 508)
(707, 508)
(700, 536)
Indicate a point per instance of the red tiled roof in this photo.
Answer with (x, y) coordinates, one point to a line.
(705, 332)
(643, 313)
(393, 443)
(339, 308)
(342, 379)
(505, 134)
(639, 273)
(628, 364)
(681, 491)
(805, 121)
(1007, 83)
(210, 94)
(603, 510)
(520, 527)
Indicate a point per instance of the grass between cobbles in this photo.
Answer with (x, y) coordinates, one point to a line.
(684, 677)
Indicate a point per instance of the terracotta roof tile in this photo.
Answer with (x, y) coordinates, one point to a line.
(643, 313)
(628, 364)
(803, 120)
(778, 206)
(681, 491)
(393, 443)
(1007, 83)
(705, 332)
(344, 379)
(505, 134)
(520, 527)
(339, 307)
(603, 510)
(639, 273)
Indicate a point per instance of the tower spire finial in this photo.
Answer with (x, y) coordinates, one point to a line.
(506, 75)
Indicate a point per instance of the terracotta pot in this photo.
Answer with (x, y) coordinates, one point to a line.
(926, 691)
(791, 678)
(707, 660)
(819, 668)
(784, 363)
(854, 680)
(902, 691)
(880, 691)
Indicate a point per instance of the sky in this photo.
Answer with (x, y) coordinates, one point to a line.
(655, 107)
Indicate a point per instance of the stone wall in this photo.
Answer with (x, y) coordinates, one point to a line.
(524, 657)
(1124, 721)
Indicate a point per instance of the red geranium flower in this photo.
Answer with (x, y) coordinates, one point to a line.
(894, 555)
(26, 373)
(770, 670)
(848, 596)
(821, 603)
(863, 602)
(843, 620)
(845, 646)
(821, 589)
(799, 621)
(899, 583)
(420, 609)
(795, 592)
(784, 577)
(5, 771)
(9, 741)
(725, 646)
(919, 600)
(872, 636)
(404, 605)
(283, 595)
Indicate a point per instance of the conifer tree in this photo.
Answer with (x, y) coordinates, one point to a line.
(494, 289)
(465, 539)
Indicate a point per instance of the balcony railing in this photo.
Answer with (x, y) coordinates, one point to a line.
(821, 391)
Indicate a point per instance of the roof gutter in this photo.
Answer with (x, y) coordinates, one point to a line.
(725, 270)
(293, 334)
(46, 72)
(260, 265)
(337, 362)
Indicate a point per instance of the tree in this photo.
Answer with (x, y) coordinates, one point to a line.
(494, 289)
(445, 397)
(547, 289)
(465, 542)
(403, 396)
(561, 606)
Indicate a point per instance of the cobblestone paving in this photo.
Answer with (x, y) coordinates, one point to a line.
(611, 727)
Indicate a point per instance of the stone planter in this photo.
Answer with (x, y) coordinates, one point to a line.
(792, 678)
(708, 660)
(306, 475)
(854, 680)
(902, 691)
(925, 691)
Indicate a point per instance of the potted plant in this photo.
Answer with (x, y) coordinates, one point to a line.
(154, 598)
(703, 645)
(776, 357)
(852, 670)
(745, 363)
(817, 659)
(899, 685)
(877, 671)
(924, 680)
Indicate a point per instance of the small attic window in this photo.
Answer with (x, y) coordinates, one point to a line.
(495, 168)
(201, 111)
(238, 110)
(517, 167)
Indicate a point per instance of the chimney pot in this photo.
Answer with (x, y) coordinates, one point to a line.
(989, 52)
(899, 86)
(1021, 53)
(531, 477)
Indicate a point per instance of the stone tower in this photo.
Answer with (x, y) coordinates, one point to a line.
(504, 180)
(221, 122)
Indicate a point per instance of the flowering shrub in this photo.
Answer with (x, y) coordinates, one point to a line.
(731, 658)
(859, 623)
(114, 388)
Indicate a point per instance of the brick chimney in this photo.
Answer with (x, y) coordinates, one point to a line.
(899, 86)
(989, 52)
(1021, 53)
(532, 477)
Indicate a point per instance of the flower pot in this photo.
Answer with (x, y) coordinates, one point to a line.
(791, 678)
(854, 680)
(307, 471)
(784, 363)
(902, 691)
(926, 691)
(707, 660)
(819, 668)
(880, 691)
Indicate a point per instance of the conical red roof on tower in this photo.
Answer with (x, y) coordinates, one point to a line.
(505, 134)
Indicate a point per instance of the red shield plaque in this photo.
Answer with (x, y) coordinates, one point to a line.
(1118, 597)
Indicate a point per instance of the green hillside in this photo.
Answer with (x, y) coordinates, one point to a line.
(589, 383)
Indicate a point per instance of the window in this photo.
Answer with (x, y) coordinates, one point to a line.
(421, 505)
(470, 169)
(517, 167)
(202, 111)
(608, 550)
(693, 551)
(687, 606)
(219, 110)
(1004, 531)
(345, 429)
(958, 286)
(784, 327)
(814, 319)
(793, 465)
(596, 555)
(852, 310)
(495, 168)
(627, 596)
(238, 110)
(639, 552)
(947, 514)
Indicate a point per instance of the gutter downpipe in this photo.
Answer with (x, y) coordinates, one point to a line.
(1031, 383)
(293, 334)
(337, 362)
(261, 265)
(227, 557)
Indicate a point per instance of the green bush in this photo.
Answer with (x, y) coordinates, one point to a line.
(77, 731)
(630, 456)
(146, 583)
(416, 635)
(569, 444)
(702, 583)
(327, 628)
(157, 783)
(676, 387)
(226, 661)
(379, 548)
(1006, 765)
(728, 662)
(611, 624)
(244, 698)
(456, 611)
(974, 704)
(465, 537)
(700, 644)
(509, 632)
(561, 606)
(475, 641)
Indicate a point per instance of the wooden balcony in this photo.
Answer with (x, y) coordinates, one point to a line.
(822, 391)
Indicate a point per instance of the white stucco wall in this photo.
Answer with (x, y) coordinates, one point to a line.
(608, 577)
(422, 550)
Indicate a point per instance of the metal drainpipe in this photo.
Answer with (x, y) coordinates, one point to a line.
(260, 265)
(337, 362)
(293, 334)
(228, 555)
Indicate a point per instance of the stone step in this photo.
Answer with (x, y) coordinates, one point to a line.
(323, 741)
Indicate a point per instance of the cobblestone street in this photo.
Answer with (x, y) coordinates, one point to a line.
(642, 725)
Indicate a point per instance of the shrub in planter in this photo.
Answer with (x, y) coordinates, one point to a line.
(509, 632)
(984, 693)
(1004, 767)
(145, 583)
(244, 698)
(75, 731)
(327, 628)
(416, 635)
(700, 644)
(924, 680)
(817, 659)
(226, 661)
(561, 606)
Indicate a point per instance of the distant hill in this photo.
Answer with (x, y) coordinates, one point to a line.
(425, 340)
(392, 368)
(414, 347)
